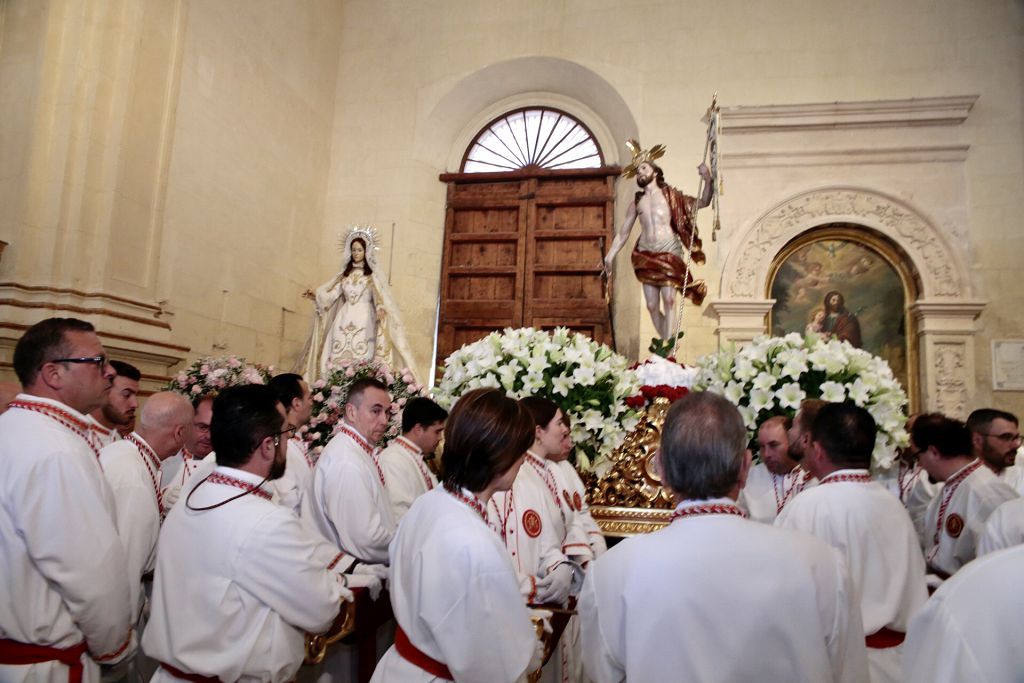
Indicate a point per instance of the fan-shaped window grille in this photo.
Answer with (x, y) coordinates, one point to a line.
(533, 138)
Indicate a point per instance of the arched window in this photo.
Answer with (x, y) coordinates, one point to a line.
(537, 137)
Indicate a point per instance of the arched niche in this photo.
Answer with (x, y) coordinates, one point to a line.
(943, 314)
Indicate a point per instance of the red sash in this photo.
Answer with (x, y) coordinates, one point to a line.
(22, 654)
(414, 655)
(884, 638)
(194, 678)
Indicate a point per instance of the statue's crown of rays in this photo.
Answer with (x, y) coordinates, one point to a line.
(367, 233)
(640, 156)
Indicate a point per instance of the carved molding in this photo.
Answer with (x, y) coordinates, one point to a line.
(927, 111)
(746, 268)
(951, 377)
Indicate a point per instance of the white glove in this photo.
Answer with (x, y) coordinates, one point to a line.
(169, 496)
(378, 570)
(372, 583)
(554, 588)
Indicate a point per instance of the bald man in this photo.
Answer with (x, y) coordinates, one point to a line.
(132, 467)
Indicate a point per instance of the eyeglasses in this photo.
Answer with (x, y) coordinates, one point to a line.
(277, 435)
(100, 360)
(1007, 437)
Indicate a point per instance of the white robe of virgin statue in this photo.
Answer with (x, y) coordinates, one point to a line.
(455, 594)
(65, 578)
(238, 586)
(766, 494)
(406, 476)
(952, 533)
(1004, 528)
(715, 597)
(352, 332)
(298, 472)
(134, 478)
(970, 628)
(867, 524)
(347, 503)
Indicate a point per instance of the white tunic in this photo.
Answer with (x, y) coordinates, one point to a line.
(531, 523)
(134, 478)
(956, 518)
(720, 598)
(347, 503)
(62, 563)
(970, 628)
(237, 586)
(406, 476)
(1013, 477)
(100, 435)
(583, 530)
(1004, 528)
(174, 472)
(298, 472)
(766, 493)
(874, 533)
(455, 595)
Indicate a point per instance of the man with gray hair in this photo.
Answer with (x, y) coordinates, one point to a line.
(664, 606)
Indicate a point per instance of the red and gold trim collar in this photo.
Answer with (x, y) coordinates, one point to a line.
(227, 480)
(73, 422)
(855, 476)
(469, 499)
(694, 510)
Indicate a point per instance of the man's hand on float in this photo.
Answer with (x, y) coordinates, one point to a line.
(554, 588)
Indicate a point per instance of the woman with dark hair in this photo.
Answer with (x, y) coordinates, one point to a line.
(453, 590)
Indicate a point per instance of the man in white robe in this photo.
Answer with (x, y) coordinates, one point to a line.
(1004, 528)
(347, 502)
(117, 414)
(970, 628)
(955, 519)
(180, 467)
(406, 476)
(132, 468)
(865, 523)
(714, 596)
(995, 437)
(238, 580)
(65, 592)
(778, 478)
(297, 399)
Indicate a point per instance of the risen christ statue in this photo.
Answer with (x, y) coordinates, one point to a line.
(668, 229)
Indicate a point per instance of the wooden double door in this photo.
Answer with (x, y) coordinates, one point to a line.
(524, 249)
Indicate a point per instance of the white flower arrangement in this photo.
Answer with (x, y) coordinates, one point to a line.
(209, 376)
(589, 381)
(772, 375)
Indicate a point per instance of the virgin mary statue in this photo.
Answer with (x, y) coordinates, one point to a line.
(355, 317)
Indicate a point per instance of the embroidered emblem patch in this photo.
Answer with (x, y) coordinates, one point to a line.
(531, 523)
(577, 501)
(954, 525)
(568, 500)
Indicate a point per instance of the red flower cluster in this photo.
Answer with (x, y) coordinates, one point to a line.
(648, 393)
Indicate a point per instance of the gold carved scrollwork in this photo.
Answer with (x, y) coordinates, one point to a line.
(629, 499)
(343, 626)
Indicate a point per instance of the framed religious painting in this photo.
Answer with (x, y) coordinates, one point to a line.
(844, 281)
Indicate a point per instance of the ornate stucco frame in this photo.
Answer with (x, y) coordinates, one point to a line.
(943, 314)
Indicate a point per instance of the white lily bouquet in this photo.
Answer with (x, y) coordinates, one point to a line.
(589, 381)
(772, 375)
